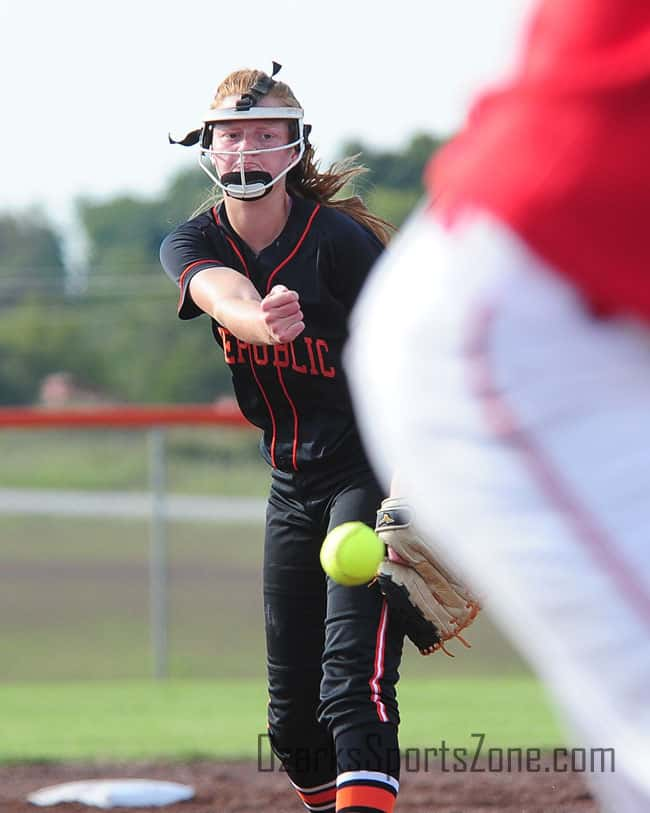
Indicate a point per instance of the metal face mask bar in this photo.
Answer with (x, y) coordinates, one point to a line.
(252, 184)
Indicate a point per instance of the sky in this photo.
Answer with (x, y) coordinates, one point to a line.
(90, 89)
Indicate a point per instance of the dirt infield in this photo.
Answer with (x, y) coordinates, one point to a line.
(239, 788)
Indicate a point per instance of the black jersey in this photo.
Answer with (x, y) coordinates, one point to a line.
(296, 393)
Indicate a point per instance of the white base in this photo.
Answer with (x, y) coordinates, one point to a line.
(106, 793)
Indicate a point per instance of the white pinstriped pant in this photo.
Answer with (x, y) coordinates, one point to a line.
(521, 427)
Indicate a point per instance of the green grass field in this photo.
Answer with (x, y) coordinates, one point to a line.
(75, 663)
(74, 597)
(183, 720)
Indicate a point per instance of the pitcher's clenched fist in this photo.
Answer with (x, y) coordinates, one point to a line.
(282, 315)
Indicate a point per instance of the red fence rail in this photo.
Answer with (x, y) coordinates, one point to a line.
(123, 416)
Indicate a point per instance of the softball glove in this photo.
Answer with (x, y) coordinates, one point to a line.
(433, 603)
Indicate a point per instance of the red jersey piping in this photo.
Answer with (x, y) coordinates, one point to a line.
(250, 354)
(296, 421)
(239, 254)
(294, 448)
(181, 279)
(268, 406)
(295, 248)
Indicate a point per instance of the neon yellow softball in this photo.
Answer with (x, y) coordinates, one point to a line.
(351, 553)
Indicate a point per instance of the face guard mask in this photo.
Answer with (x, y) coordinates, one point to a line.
(251, 184)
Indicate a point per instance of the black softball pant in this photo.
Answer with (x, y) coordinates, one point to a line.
(333, 652)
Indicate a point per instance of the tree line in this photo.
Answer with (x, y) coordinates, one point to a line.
(112, 328)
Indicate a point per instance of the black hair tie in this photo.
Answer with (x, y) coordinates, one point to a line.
(260, 89)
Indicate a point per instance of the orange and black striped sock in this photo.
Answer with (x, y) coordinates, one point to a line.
(365, 792)
(320, 799)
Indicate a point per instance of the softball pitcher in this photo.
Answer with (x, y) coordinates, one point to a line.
(277, 265)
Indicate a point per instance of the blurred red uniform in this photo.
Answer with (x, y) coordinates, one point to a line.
(512, 388)
(561, 154)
